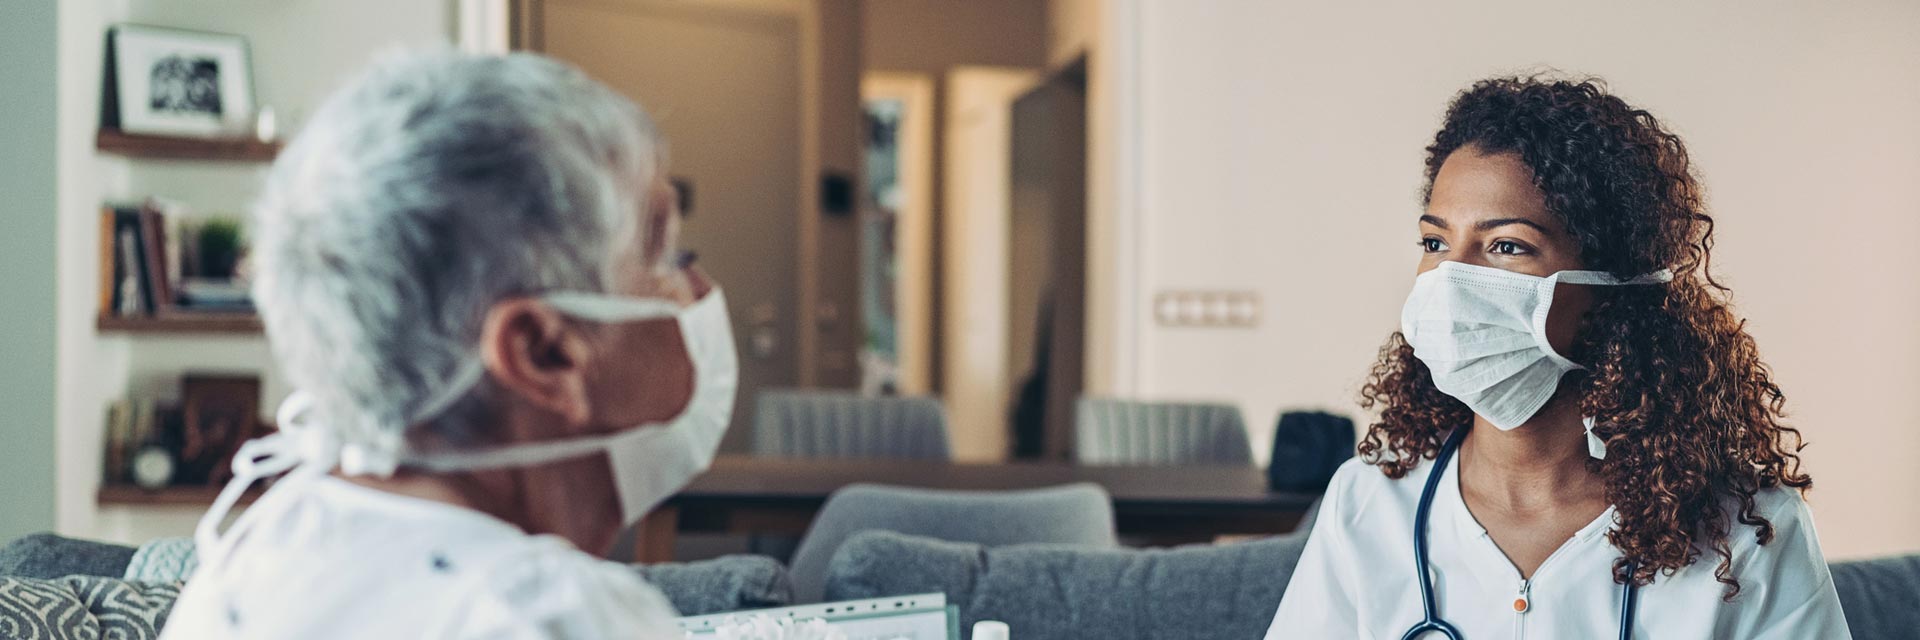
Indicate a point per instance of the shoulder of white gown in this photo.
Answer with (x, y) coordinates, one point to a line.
(1357, 483)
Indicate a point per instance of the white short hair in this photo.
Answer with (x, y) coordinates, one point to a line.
(428, 189)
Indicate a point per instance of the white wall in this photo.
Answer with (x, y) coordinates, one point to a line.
(1280, 150)
(301, 50)
(27, 319)
(975, 230)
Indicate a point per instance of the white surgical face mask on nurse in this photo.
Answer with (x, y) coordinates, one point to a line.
(1482, 332)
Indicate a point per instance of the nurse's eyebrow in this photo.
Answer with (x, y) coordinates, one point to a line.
(1489, 225)
(1484, 225)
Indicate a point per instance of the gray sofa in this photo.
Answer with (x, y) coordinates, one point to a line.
(57, 588)
(1045, 591)
(1216, 591)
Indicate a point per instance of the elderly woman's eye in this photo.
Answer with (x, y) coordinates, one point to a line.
(1432, 245)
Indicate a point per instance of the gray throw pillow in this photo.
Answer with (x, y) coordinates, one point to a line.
(730, 583)
(45, 555)
(84, 608)
(1058, 591)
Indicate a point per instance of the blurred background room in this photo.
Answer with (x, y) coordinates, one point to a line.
(969, 244)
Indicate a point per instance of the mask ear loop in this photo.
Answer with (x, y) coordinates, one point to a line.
(1596, 446)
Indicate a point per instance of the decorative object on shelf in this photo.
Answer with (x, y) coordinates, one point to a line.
(177, 82)
(220, 412)
(162, 266)
(135, 427)
(266, 125)
(218, 243)
(153, 468)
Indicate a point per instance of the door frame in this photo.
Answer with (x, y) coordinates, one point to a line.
(913, 294)
(525, 30)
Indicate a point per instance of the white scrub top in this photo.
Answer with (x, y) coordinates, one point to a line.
(331, 559)
(1356, 577)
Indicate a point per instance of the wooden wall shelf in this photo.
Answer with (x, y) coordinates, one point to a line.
(132, 496)
(180, 323)
(136, 145)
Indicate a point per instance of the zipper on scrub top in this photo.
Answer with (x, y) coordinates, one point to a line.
(1522, 601)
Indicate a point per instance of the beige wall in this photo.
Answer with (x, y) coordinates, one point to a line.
(1280, 148)
(834, 125)
(1073, 28)
(935, 35)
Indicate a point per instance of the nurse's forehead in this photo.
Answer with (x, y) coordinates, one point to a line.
(1472, 187)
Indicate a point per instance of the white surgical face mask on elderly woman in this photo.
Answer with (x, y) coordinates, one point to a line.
(650, 462)
(1482, 332)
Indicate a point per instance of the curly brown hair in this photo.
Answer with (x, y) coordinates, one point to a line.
(1691, 417)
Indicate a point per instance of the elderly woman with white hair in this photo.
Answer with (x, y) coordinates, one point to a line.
(467, 267)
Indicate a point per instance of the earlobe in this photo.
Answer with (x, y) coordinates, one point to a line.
(538, 357)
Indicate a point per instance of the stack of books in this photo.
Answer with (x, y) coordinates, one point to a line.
(146, 269)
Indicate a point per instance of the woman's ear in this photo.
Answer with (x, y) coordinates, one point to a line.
(533, 352)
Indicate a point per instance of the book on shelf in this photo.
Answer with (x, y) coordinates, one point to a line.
(146, 268)
(131, 425)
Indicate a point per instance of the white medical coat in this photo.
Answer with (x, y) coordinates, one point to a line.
(1356, 578)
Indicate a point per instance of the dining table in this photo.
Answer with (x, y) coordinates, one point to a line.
(1159, 504)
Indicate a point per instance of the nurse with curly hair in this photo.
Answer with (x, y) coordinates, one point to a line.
(1577, 437)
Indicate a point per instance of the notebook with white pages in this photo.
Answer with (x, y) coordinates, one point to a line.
(917, 617)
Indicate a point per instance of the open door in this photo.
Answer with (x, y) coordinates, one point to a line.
(1048, 257)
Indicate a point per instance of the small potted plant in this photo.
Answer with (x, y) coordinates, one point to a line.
(220, 242)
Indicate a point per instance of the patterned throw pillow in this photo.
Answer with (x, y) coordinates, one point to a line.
(84, 607)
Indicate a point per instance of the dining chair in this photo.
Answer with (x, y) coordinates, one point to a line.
(835, 424)
(1111, 431)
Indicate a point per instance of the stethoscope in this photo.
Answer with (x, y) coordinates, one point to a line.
(1629, 594)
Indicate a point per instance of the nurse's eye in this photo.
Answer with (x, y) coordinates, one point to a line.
(1431, 244)
(1509, 248)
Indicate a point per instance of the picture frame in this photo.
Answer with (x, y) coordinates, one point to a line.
(178, 82)
(219, 413)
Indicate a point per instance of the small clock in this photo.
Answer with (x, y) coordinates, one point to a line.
(153, 468)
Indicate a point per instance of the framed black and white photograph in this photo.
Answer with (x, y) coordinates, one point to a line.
(177, 82)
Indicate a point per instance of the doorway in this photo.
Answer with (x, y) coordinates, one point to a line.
(722, 85)
(896, 243)
(1046, 292)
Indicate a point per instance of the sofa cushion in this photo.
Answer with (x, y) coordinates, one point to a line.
(730, 583)
(163, 560)
(1059, 591)
(1881, 597)
(83, 607)
(45, 555)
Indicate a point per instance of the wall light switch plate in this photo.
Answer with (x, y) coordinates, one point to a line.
(1207, 309)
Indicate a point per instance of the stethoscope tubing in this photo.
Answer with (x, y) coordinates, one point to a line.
(1432, 622)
